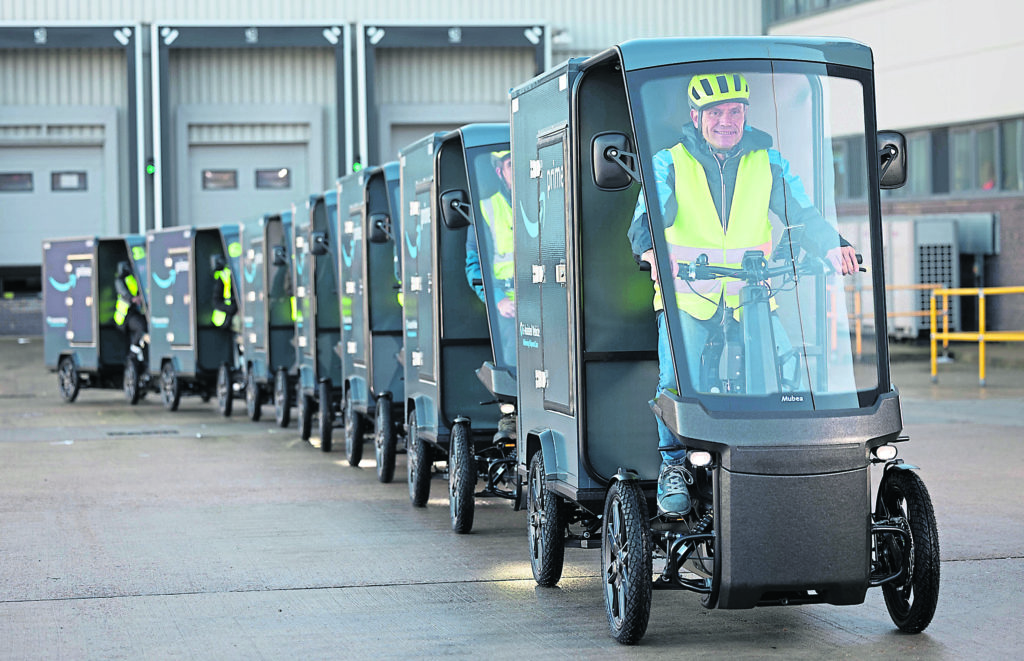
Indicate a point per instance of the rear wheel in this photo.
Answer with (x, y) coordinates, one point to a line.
(355, 427)
(131, 381)
(626, 561)
(170, 387)
(912, 598)
(253, 396)
(282, 399)
(67, 379)
(305, 414)
(326, 419)
(225, 391)
(545, 526)
(384, 440)
(419, 461)
(461, 478)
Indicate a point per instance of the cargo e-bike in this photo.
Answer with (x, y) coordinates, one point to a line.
(82, 340)
(777, 425)
(371, 329)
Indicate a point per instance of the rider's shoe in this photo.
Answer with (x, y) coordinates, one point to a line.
(673, 494)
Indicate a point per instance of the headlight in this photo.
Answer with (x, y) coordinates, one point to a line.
(884, 453)
(507, 409)
(700, 458)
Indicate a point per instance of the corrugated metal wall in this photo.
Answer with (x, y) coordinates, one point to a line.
(469, 75)
(63, 77)
(590, 24)
(260, 77)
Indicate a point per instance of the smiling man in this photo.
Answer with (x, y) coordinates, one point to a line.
(714, 189)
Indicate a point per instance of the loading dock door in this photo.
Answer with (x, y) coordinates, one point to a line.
(230, 183)
(49, 192)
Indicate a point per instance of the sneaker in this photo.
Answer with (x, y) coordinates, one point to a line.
(673, 495)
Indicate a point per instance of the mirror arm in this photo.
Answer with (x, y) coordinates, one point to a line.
(623, 159)
(462, 208)
(886, 156)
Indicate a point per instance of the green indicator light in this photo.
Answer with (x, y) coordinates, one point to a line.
(357, 166)
(150, 168)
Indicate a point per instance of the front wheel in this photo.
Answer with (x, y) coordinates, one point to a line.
(461, 478)
(626, 561)
(170, 387)
(911, 599)
(68, 381)
(305, 414)
(545, 526)
(384, 440)
(253, 396)
(326, 420)
(355, 427)
(225, 391)
(282, 398)
(419, 461)
(131, 381)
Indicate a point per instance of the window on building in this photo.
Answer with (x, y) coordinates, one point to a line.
(274, 178)
(68, 181)
(919, 167)
(220, 179)
(782, 10)
(849, 165)
(15, 182)
(974, 158)
(1012, 150)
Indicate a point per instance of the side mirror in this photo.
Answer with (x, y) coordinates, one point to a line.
(380, 228)
(318, 243)
(613, 161)
(280, 256)
(455, 209)
(892, 159)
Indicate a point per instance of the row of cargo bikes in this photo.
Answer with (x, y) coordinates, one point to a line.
(490, 322)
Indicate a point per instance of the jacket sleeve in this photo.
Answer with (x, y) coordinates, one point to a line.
(121, 289)
(474, 274)
(789, 201)
(639, 233)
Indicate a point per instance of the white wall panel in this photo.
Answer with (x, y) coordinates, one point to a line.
(937, 62)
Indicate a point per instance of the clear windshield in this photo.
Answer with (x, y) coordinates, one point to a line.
(490, 268)
(741, 200)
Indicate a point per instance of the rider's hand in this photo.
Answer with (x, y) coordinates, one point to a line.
(648, 256)
(843, 259)
(507, 307)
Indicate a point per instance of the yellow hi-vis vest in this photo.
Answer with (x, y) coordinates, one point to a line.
(219, 317)
(497, 213)
(698, 228)
(121, 307)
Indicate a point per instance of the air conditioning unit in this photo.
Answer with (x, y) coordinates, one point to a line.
(916, 251)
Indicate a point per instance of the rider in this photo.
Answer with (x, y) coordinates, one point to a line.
(496, 211)
(224, 306)
(715, 188)
(127, 312)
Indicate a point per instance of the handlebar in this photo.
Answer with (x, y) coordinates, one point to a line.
(754, 268)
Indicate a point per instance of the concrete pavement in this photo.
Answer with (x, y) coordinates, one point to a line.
(132, 532)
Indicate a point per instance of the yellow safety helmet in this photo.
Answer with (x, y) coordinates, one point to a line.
(498, 156)
(710, 89)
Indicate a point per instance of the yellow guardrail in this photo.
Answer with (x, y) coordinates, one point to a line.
(858, 315)
(981, 336)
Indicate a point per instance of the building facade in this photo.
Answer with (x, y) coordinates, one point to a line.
(124, 115)
(945, 78)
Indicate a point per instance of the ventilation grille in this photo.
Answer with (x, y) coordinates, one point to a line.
(936, 265)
